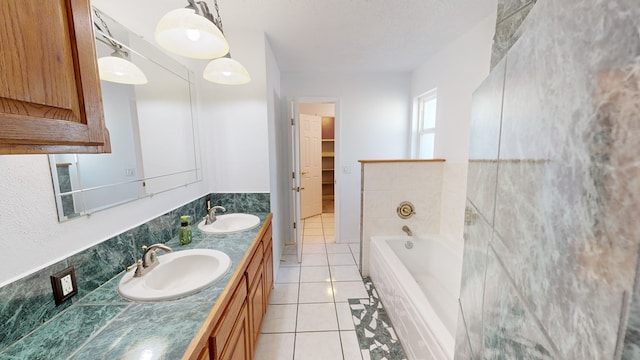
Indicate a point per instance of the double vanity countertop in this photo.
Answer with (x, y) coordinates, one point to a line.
(104, 325)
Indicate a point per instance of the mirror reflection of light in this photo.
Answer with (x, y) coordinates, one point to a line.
(150, 349)
(330, 290)
(146, 355)
(193, 34)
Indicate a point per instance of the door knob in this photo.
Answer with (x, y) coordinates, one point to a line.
(304, 172)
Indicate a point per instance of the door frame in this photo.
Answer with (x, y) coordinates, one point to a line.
(292, 105)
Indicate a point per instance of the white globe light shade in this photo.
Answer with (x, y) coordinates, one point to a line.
(120, 71)
(183, 32)
(226, 71)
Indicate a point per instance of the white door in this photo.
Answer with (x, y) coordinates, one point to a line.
(295, 183)
(310, 165)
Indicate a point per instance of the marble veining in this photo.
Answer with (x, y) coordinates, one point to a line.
(511, 15)
(160, 330)
(476, 241)
(376, 335)
(28, 303)
(63, 334)
(510, 332)
(463, 344)
(563, 250)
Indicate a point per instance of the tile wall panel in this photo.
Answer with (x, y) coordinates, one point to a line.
(463, 347)
(568, 188)
(484, 142)
(476, 242)
(510, 332)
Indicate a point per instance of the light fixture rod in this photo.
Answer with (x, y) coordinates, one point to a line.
(109, 39)
(201, 8)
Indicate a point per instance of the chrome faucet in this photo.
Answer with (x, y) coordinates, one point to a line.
(407, 230)
(149, 259)
(211, 216)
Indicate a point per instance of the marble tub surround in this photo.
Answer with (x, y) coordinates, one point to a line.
(107, 326)
(385, 184)
(28, 303)
(511, 14)
(551, 241)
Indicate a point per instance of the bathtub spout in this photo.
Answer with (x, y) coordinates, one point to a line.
(407, 230)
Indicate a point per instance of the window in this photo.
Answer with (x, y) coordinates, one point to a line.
(425, 135)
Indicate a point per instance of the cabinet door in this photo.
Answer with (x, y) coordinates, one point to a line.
(256, 306)
(50, 99)
(204, 354)
(239, 346)
(268, 275)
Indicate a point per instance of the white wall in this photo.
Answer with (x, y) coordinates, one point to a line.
(456, 71)
(279, 181)
(373, 122)
(234, 119)
(30, 234)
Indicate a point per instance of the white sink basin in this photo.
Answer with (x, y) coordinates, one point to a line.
(177, 274)
(230, 223)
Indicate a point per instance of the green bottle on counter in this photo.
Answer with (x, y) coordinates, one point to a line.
(185, 234)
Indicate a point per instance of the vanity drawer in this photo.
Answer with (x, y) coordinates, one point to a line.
(254, 264)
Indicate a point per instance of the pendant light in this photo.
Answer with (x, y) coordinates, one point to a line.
(194, 32)
(226, 71)
(116, 68)
(187, 32)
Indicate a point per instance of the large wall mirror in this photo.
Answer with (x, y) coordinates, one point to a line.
(153, 130)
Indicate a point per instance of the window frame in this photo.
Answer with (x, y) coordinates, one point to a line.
(419, 121)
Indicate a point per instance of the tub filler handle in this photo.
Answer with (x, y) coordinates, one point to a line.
(405, 210)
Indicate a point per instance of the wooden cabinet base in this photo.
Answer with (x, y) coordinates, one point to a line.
(232, 328)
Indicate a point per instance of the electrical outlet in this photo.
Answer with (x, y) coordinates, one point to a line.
(67, 285)
(64, 285)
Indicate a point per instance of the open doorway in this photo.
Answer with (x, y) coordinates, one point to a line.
(315, 188)
(317, 158)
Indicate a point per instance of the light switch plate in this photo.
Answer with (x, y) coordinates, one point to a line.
(64, 285)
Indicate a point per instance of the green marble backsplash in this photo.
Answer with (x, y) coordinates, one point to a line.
(28, 303)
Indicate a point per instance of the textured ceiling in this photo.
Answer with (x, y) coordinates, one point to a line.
(330, 35)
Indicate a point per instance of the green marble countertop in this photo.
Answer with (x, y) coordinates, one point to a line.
(103, 325)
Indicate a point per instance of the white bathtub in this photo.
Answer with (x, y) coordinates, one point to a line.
(419, 288)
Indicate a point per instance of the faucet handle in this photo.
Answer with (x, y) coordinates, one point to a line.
(136, 266)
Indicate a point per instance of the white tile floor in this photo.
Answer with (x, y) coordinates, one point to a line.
(308, 315)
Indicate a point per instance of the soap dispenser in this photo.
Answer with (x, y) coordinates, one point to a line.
(185, 234)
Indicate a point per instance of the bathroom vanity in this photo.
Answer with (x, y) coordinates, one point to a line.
(221, 321)
(232, 328)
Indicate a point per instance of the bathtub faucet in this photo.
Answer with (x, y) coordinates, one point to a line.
(407, 230)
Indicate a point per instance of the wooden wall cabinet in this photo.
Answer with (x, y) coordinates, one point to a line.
(232, 329)
(50, 98)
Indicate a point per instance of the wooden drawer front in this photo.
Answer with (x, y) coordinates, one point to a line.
(224, 328)
(254, 264)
